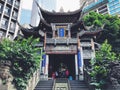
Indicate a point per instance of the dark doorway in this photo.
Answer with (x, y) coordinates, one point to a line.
(56, 60)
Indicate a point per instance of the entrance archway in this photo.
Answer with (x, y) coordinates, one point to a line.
(55, 61)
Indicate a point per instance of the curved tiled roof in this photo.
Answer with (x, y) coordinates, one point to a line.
(48, 17)
(61, 17)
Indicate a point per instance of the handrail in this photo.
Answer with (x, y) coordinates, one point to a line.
(53, 88)
(69, 88)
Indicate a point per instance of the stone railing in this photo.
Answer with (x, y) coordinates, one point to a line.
(61, 41)
(87, 44)
(88, 54)
(33, 81)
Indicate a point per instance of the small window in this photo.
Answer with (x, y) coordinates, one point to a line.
(1, 7)
(7, 10)
(10, 36)
(15, 14)
(10, 1)
(17, 3)
(12, 26)
(4, 22)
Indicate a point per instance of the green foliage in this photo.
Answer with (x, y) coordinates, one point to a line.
(94, 19)
(5, 49)
(118, 58)
(105, 55)
(105, 52)
(100, 64)
(111, 28)
(24, 58)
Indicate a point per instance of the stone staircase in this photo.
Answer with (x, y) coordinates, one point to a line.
(78, 85)
(61, 84)
(44, 85)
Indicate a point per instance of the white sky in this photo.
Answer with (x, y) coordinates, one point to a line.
(27, 4)
(66, 4)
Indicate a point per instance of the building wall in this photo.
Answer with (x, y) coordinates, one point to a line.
(49, 5)
(100, 6)
(111, 7)
(25, 16)
(114, 7)
(9, 15)
(34, 14)
(88, 2)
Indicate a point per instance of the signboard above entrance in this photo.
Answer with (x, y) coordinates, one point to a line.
(61, 32)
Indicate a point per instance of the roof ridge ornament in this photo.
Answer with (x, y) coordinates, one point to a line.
(61, 10)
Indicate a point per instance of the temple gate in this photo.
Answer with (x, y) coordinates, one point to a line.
(67, 42)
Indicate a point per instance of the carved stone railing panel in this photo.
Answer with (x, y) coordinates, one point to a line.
(61, 41)
(88, 54)
(87, 44)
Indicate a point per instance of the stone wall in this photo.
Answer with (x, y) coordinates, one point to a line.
(5, 76)
(7, 86)
(31, 83)
(34, 80)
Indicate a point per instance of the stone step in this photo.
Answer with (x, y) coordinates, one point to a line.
(44, 85)
(42, 89)
(78, 85)
(79, 89)
(61, 80)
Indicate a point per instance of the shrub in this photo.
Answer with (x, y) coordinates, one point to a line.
(24, 58)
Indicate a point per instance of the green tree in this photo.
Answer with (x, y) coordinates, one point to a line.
(5, 49)
(24, 58)
(93, 19)
(111, 29)
(100, 65)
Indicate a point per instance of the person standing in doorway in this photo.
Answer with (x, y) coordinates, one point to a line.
(56, 74)
(67, 73)
(53, 75)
